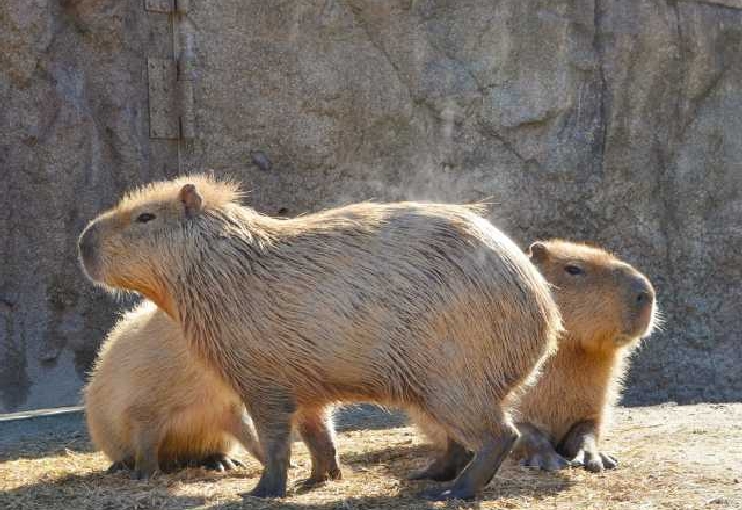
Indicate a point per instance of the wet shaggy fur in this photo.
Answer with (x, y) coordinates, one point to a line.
(424, 306)
(149, 396)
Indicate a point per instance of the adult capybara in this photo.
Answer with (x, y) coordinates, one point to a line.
(607, 306)
(370, 302)
(151, 404)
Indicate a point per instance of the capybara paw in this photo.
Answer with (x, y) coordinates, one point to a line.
(546, 462)
(609, 461)
(221, 463)
(308, 484)
(596, 462)
(318, 479)
(438, 494)
(594, 465)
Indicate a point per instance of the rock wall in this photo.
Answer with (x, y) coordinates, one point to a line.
(616, 122)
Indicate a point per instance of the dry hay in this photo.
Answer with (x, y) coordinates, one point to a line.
(671, 458)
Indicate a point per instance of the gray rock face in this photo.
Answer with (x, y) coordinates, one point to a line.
(615, 122)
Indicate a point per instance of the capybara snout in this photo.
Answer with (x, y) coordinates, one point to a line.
(640, 304)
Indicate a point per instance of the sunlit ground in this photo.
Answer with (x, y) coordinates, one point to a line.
(671, 457)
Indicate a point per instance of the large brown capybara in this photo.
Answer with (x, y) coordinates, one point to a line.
(151, 404)
(369, 302)
(607, 306)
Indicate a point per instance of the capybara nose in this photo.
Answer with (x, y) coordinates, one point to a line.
(643, 297)
(643, 292)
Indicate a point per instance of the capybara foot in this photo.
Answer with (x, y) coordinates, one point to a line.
(438, 494)
(316, 480)
(609, 461)
(581, 445)
(447, 466)
(434, 472)
(547, 461)
(596, 462)
(268, 490)
(307, 484)
(120, 465)
(220, 462)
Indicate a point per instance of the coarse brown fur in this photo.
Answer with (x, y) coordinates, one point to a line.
(148, 391)
(370, 302)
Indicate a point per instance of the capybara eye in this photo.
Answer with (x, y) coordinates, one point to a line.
(573, 269)
(145, 217)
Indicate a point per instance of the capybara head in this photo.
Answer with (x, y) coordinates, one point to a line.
(132, 245)
(605, 302)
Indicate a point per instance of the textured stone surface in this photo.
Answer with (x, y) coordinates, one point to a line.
(617, 122)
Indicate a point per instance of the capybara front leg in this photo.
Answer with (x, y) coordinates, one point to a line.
(536, 451)
(480, 470)
(316, 429)
(447, 465)
(146, 445)
(272, 418)
(242, 427)
(581, 445)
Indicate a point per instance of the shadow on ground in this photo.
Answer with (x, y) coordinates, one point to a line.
(117, 491)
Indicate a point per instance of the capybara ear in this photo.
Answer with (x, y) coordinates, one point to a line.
(538, 251)
(190, 198)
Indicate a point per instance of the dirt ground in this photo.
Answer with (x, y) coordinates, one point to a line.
(671, 457)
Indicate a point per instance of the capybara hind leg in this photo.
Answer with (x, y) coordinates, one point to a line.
(316, 429)
(581, 444)
(447, 465)
(145, 456)
(480, 470)
(534, 450)
(272, 413)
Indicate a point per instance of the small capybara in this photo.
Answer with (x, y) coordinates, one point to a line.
(388, 303)
(607, 306)
(151, 404)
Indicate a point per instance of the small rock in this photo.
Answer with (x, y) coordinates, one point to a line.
(260, 159)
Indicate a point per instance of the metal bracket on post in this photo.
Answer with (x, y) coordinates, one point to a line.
(171, 110)
(158, 5)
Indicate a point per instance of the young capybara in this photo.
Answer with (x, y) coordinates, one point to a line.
(607, 306)
(388, 303)
(151, 404)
